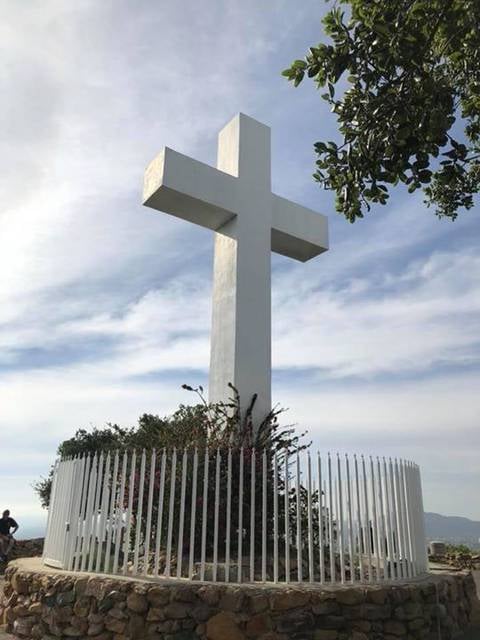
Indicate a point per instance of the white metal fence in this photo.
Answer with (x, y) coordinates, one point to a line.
(238, 516)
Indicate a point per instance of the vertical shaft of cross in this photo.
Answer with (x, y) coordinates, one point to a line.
(241, 319)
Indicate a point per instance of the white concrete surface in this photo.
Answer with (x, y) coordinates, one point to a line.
(236, 201)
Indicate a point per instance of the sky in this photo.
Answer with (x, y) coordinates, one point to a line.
(105, 305)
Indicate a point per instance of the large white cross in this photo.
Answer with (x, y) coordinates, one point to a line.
(236, 201)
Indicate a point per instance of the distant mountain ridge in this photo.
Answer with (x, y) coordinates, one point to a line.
(452, 529)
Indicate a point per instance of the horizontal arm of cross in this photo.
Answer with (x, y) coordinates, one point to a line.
(297, 232)
(206, 196)
(190, 190)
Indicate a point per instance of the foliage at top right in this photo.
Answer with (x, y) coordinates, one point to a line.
(403, 78)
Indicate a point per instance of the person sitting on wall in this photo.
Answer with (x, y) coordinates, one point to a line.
(6, 534)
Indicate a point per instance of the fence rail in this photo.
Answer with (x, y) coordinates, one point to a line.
(238, 516)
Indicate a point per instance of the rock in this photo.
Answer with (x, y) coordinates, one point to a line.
(289, 599)
(72, 632)
(377, 596)
(258, 625)
(106, 604)
(295, 621)
(417, 623)
(96, 588)
(362, 625)
(209, 594)
(177, 610)
(182, 594)
(158, 596)
(67, 597)
(35, 608)
(117, 626)
(23, 626)
(321, 607)
(410, 610)
(201, 612)
(95, 618)
(136, 626)
(38, 631)
(117, 613)
(358, 635)
(258, 602)
(20, 583)
(376, 611)
(395, 627)
(155, 613)
(137, 602)
(332, 622)
(223, 627)
(325, 634)
(350, 596)
(233, 600)
(95, 629)
(80, 586)
(81, 608)
(19, 611)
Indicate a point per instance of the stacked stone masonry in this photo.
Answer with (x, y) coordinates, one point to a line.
(48, 606)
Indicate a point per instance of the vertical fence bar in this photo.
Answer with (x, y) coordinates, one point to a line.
(359, 521)
(404, 507)
(416, 519)
(111, 512)
(321, 540)
(119, 513)
(395, 536)
(368, 536)
(350, 519)
(403, 521)
(309, 518)
(139, 514)
(275, 517)
(78, 514)
(70, 530)
(228, 515)
(103, 511)
(414, 503)
(391, 551)
(413, 507)
(240, 519)
(148, 529)
(89, 512)
(161, 497)
(81, 519)
(382, 526)
(341, 521)
(204, 516)
(411, 572)
(264, 515)
(333, 576)
(215, 525)
(287, 520)
(376, 549)
(131, 488)
(96, 509)
(171, 512)
(252, 515)
(181, 523)
(193, 514)
(422, 537)
(299, 522)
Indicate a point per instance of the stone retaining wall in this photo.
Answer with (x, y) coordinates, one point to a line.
(47, 605)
